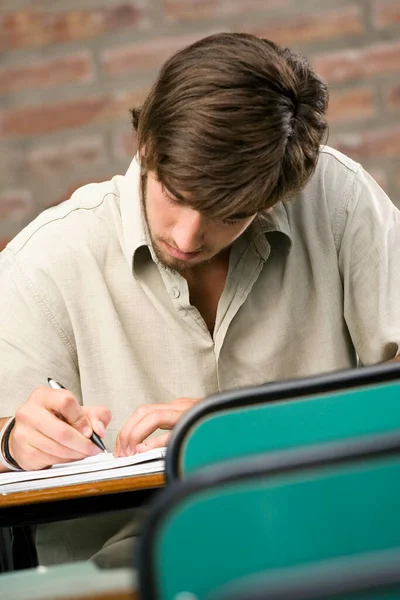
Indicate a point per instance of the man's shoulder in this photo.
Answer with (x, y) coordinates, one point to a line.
(331, 184)
(73, 221)
(323, 203)
(333, 160)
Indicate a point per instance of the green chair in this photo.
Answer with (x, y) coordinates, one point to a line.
(284, 415)
(271, 513)
(375, 576)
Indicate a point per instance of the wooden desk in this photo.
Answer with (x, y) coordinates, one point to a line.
(71, 501)
(129, 594)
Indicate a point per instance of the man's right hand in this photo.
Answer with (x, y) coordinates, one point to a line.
(51, 427)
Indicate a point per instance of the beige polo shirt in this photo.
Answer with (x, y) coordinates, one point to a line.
(82, 300)
(310, 287)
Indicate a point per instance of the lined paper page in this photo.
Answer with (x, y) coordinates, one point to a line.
(94, 468)
(154, 466)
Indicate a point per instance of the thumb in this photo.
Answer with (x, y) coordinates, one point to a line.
(99, 418)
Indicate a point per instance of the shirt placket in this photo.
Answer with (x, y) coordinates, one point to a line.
(247, 261)
(178, 291)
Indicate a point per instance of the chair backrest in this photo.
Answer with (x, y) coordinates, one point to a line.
(372, 576)
(272, 512)
(283, 415)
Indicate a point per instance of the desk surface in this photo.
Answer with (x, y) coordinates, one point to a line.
(128, 594)
(83, 490)
(53, 504)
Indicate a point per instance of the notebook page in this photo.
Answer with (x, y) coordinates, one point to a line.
(100, 462)
(144, 468)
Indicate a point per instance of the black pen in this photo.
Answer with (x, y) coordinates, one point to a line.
(94, 437)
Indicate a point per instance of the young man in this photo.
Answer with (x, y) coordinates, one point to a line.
(235, 251)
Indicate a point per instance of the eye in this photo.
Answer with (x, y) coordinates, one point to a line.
(235, 219)
(168, 197)
(230, 221)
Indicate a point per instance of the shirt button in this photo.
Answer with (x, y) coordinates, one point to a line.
(175, 292)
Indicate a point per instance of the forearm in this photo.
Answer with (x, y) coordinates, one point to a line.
(3, 422)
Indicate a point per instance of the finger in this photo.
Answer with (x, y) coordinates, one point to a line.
(122, 439)
(63, 402)
(99, 417)
(34, 459)
(138, 414)
(40, 442)
(51, 426)
(185, 401)
(142, 411)
(156, 442)
(165, 419)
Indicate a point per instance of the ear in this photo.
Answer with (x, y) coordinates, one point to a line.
(142, 153)
(142, 160)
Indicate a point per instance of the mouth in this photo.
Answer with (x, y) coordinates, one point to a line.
(179, 254)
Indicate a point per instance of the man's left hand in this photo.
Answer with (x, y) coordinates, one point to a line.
(146, 419)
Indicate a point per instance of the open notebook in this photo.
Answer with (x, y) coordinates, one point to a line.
(94, 468)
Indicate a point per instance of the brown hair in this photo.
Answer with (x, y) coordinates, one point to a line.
(233, 124)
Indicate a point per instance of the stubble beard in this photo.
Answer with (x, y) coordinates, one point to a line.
(169, 262)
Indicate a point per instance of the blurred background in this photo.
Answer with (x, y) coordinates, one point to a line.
(71, 69)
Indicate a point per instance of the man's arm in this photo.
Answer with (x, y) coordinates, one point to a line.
(3, 423)
(369, 263)
(147, 419)
(50, 428)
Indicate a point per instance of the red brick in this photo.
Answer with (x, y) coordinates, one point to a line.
(380, 177)
(36, 27)
(377, 143)
(144, 55)
(124, 144)
(193, 9)
(15, 204)
(358, 63)
(352, 104)
(312, 27)
(393, 96)
(386, 13)
(11, 164)
(106, 175)
(42, 73)
(53, 160)
(395, 195)
(36, 120)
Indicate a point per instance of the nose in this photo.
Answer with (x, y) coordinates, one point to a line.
(189, 230)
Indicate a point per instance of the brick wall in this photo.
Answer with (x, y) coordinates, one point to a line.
(70, 70)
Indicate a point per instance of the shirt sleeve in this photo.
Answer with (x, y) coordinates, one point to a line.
(33, 343)
(369, 261)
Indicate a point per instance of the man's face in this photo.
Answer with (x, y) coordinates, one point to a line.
(182, 237)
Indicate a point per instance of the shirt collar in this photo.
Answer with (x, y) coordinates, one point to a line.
(135, 230)
(275, 220)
